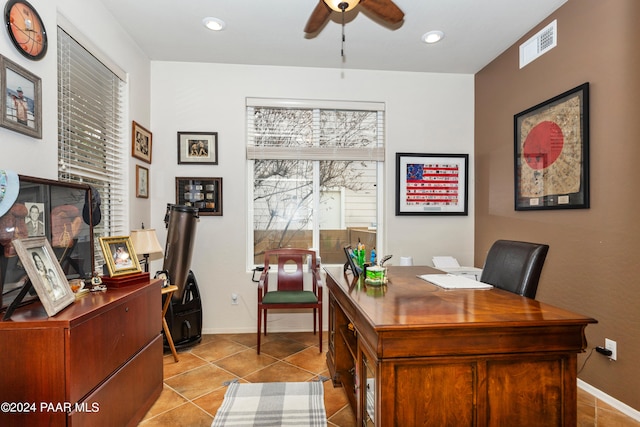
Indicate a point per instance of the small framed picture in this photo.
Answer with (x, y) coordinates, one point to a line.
(35, 219)
(45, 273)
(432, 184)
(351, 262)
(202, 193)
(22, 107)
(141, 141)
(142, 182)
(198, 148)
(119, 255)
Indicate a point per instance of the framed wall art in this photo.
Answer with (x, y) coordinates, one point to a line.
(22, 106)
(552, 153)
(202, 193)
(119, 255)
(142, 182)
(141, 142)
(432, 184)
(198, 148)
(45, 273)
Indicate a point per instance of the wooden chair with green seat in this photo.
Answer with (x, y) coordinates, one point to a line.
(288, 292)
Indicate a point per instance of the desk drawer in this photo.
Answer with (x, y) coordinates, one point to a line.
(104, 343)
(126, 396)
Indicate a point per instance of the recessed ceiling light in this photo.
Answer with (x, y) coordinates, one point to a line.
(214, 24)
(432, 36)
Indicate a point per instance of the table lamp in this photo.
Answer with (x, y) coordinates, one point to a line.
(145, 242)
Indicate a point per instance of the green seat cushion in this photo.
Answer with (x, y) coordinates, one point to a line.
(289, 297)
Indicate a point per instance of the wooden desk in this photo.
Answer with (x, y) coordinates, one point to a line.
(411, 353)
(98, 362)
(167, 292)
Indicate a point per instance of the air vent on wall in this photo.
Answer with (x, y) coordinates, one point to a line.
(545, 40)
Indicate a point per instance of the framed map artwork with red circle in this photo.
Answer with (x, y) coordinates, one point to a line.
(552, 153)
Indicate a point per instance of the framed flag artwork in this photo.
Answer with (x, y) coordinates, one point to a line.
(432, 184)
(552, 153)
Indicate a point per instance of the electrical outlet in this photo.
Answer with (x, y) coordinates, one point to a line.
(613, 346)
(234, 299)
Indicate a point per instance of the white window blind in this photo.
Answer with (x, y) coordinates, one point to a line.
(90, 131)
(315, 131)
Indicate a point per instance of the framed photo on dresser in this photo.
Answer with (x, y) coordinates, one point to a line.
(45, 273)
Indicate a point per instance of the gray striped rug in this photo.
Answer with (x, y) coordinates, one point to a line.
(273, 404)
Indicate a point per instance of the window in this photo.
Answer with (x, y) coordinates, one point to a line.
(90, 132)
(316, 169)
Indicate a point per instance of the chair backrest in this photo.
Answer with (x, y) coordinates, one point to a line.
(515, 266)
(290, 277)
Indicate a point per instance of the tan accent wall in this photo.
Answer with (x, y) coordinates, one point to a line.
(593, 266)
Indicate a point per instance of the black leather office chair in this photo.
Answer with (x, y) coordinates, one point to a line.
(515, 266)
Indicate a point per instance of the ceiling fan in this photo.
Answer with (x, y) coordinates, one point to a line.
(384, 9)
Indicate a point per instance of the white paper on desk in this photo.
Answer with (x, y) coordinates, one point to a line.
(445, 262)
(452, 281)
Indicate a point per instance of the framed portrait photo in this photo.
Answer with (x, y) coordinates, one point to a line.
(552, 153)
(198, 148)
(45, 273)
(141, 142)
(22, 105)
(35, 219)
(119, 255)
(432, 184)
(142, 182)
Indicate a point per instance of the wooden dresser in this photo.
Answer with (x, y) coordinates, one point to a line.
(96, 363)
(413, 354)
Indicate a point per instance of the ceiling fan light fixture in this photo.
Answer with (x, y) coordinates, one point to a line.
(432, 36)
(342, 5)
(214, 24)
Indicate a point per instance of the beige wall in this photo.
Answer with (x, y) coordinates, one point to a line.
(593, 266)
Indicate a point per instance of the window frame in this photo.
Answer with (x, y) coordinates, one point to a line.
(377, 154)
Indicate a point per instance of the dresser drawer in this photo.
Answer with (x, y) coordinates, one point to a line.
(102, 344)
(127, 396)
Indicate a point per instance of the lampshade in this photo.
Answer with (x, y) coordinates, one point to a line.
(145, 241)
(338, 4)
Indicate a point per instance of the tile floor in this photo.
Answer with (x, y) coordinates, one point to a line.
(194, 389)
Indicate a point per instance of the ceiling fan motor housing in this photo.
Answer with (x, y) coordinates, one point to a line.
(342, 6)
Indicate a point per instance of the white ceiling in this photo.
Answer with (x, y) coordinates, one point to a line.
(270, 32)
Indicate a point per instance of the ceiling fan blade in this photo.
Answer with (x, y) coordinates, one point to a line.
(385, 9)
(318, 18)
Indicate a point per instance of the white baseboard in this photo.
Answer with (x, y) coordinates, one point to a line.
(625, 409)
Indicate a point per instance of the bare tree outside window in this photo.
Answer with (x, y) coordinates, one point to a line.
(283, 190)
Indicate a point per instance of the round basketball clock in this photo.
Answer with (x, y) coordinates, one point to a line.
(25, 29)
